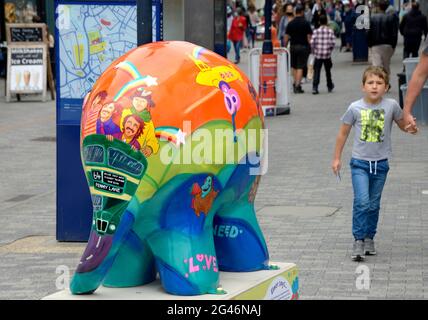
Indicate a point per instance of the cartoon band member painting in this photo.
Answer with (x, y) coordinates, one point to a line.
(105, 123)
(133, 127)
(91, 113)
(141, 104)
(109, 118)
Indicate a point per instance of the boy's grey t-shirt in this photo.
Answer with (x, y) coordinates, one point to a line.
(373, 124)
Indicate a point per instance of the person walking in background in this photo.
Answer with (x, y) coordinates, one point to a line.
(308, 11)
(330, 9)
(405, 8)
(299, 33)
(274, 35)
(338, 18)
(237, 32)
(316, 6)
(317, 11)
(247, 36)
(340, 10)
(322, 43)
(276, 12)
(348, 19)
(382, 36)
(372, 118)
(412, 27)
(305, 67)
(229, 19)
(288, 15)
(254, 21)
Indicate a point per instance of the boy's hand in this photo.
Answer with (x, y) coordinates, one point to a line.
(336, 165)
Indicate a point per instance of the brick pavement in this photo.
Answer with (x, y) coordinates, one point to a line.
(300, 149)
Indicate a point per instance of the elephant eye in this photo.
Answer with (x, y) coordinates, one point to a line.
(234, 98)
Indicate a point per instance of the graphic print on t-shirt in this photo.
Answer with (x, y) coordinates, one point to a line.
(372, 125)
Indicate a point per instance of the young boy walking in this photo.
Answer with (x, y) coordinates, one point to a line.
(372, 118)
(322, 44)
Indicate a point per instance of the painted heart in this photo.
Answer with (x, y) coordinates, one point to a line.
(200, 257)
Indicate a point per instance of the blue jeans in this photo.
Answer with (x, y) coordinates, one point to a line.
(368, 179)
(237, 47)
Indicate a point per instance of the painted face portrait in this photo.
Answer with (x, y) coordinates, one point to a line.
(131, 127)
(106, 112)
(139, 103)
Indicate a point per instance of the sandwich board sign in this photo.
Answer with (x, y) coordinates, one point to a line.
(26, 69)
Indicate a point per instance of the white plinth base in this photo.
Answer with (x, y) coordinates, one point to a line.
(258, 285)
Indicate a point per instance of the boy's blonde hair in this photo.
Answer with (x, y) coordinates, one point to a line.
(376, 71)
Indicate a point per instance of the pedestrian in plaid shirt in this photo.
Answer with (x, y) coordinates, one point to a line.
(322, 43)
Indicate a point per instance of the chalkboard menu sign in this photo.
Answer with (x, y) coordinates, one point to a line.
(26, 32)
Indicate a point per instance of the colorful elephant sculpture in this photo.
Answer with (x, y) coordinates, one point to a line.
(172, 137)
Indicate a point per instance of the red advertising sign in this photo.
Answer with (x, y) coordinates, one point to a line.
(268, 73)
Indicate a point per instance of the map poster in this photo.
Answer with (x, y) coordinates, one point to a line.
(90, 36)
(26, 69)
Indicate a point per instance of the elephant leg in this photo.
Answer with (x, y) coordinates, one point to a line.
(239, 241)
(114, 171)
(134, 264)
(187, 265)
(99, 256)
